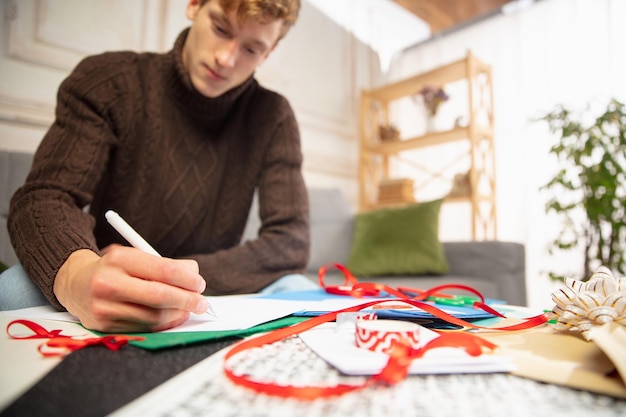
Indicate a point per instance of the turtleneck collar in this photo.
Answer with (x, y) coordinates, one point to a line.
(211, 110)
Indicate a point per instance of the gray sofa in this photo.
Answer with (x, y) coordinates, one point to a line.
(14, 167)
(495, 268)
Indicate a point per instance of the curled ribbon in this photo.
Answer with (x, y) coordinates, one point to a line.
(395, 371)
(400, 355)
(352, 287)
(66, 344)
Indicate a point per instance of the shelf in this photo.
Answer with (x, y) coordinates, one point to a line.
(377, 156)
(430, 139)
(478, 198)
(464, 199)
(455, 71)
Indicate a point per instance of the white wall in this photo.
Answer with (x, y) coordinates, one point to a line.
(556, 52)
(319, 67)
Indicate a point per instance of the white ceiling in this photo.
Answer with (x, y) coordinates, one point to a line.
(382, 24)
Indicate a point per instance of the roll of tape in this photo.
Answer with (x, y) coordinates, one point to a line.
(380, 335)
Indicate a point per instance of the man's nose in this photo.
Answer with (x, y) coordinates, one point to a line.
(227, 54)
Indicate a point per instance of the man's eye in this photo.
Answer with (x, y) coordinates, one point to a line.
(220, 30)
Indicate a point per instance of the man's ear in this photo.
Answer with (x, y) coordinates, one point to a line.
(192, 9)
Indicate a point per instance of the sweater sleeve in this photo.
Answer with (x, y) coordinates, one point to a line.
(282, 246)
(47, 220)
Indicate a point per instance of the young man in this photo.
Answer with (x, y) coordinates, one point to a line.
(177, 144)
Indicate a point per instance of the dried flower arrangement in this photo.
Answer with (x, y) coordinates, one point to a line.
(432, 97)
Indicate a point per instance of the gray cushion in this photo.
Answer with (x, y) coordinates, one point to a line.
(14, 167)
(332, 226)
(502, 263)
(7, 254)
(331, 222)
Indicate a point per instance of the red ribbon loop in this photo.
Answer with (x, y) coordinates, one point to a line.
(350, 285)
(473, 344)
(39, 331)
(353, 288)
(397, 367)
(66, 344)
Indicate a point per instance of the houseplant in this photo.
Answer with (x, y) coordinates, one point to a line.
(592, 177)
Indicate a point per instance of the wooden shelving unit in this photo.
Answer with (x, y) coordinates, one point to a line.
(375, 154)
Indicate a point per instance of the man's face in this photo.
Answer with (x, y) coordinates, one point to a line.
(219, 53)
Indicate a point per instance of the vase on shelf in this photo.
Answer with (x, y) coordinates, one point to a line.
(431, 123)
(431, 98)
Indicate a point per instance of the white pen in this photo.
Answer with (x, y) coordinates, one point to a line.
(135, 239)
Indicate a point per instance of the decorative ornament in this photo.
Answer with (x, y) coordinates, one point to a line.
(388, 133)
(583, 306)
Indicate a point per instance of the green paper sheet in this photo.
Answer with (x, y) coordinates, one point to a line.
(156, 341)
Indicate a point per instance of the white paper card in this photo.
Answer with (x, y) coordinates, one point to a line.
(339, 349)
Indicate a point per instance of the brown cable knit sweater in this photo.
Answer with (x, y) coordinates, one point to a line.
(131, 134)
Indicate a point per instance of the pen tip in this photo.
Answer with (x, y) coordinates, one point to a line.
(211, 312)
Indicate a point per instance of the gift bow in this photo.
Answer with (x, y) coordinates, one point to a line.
(582, 306)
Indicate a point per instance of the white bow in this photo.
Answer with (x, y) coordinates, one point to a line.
(582, 305)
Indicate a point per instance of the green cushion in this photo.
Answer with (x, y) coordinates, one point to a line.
(398, 241)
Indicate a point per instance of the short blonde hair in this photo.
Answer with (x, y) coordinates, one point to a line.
(263, 11)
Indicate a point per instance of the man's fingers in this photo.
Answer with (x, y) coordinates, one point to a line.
(109, 248)
(134, 318)
(160, 295)
(144, 292)
(127, 290)
(191, 264)
(180, 273)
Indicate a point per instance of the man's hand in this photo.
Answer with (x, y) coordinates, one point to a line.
(127, 290)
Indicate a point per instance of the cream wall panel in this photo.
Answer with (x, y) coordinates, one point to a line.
(44, 39)
(313, 67)
(59, 33)
(20, 137)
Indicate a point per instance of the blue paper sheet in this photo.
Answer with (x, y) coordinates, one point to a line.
(465, 313)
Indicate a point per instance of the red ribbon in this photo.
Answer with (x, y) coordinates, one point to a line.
(394, 372)
(401, 356)
(66, 344)
(351, 286)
